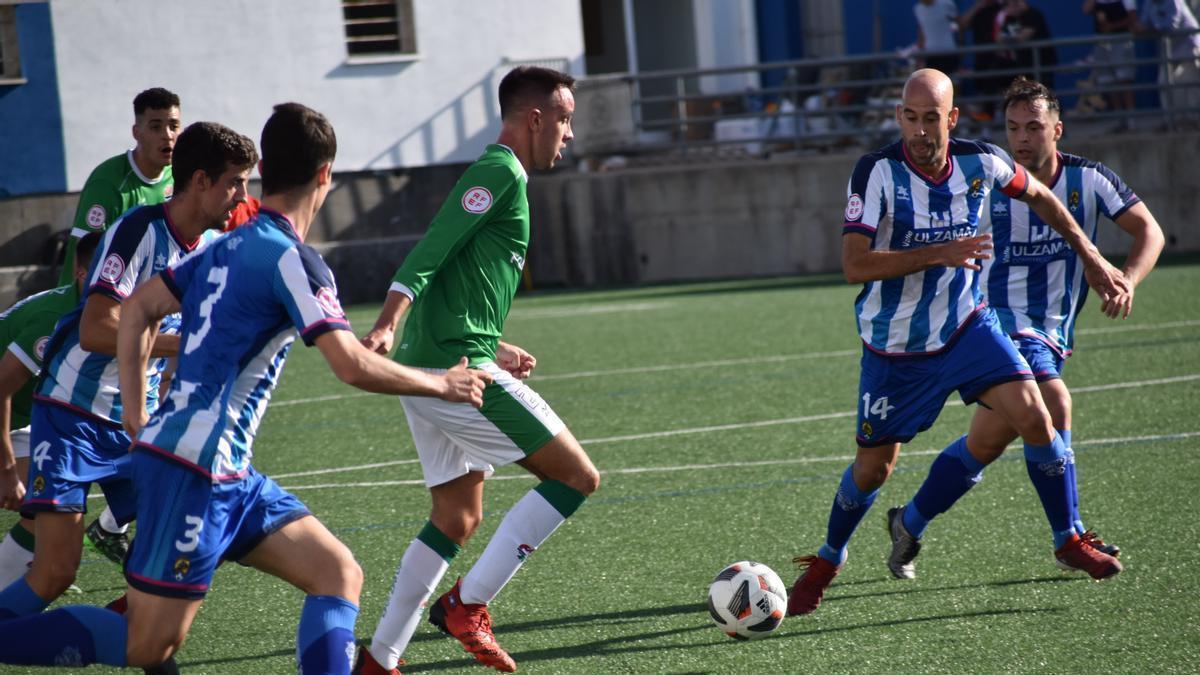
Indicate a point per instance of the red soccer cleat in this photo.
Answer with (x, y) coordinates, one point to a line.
(1078, 555)
(1092, 539)
(810, 587)
(366, 664)
(472, 626)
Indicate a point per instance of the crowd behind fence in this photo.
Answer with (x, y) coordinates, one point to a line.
(818, 104)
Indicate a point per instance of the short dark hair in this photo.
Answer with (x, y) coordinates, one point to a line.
(156, 99)
(86, 247)
(530, 84)
(211, 148)
(296, 141)
(1027, 91)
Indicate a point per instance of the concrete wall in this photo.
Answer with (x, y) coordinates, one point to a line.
(659, 224)
(231, 60)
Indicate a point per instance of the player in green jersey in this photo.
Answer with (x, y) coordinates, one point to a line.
(139, 176)
(25, 329)
(460, 281)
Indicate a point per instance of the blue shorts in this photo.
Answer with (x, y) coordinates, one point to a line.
(901, 396)
(188, 525)
(1046, 363)
(68, 451)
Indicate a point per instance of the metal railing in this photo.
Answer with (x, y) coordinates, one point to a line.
(820, 103)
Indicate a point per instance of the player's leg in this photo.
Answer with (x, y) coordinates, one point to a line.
(307, 555)
(956, 469)
(16, 550)
(57, 551)
(456, 491)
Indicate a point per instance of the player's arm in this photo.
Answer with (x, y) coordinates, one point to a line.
(99, 205)
(136, 335)
(359, 367)
(380, 339)
(13, 376)
(860, 264)
(1108, 282)
(98, 328)
(1148, 241)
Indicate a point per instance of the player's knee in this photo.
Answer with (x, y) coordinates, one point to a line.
(586, 480)
(1033, 424)
(147, 651)
(460, 526)
(872, 475)
(51, 578)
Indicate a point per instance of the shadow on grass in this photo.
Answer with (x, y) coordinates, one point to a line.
(632, 643)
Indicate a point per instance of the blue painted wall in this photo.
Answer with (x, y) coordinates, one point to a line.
(779, 36)
(31, 138)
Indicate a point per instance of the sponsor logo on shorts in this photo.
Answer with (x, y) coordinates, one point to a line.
(39, 347)
(95, 217)
(39, 484)
(524, 550)
(182, 567)
(328, 300)
(112, 268)
(477, 200)
(854, 208)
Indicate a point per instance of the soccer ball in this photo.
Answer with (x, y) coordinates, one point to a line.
(747, 600)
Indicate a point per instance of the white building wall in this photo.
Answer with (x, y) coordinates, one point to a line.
(726, 35)
(230, 61)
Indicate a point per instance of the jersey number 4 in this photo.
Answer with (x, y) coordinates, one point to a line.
(216, 275)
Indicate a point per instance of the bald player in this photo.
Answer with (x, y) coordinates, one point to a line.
(911, 238)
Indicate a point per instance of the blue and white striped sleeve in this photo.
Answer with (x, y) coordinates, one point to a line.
(865, 201)
(305, 286)
(126, 247)
(1112, 194)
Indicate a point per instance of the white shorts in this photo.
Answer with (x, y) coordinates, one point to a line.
(20, 443)
(454, 439)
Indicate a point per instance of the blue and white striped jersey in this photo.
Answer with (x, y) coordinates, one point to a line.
(142, 243)
(899, 208)
(243, 300)
(1034, 280)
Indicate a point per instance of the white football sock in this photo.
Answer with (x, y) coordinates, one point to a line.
(529, 523)
(109, 524)
(14, 561)
(420, 570)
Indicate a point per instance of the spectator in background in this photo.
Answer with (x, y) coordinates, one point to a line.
(1016, 23)
(937, 25)
(1170, 16)
(1114, 17)
(980, 19)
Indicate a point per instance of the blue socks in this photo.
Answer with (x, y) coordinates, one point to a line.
(325, 639)
(71, 636)
(1048, 467)
(953, 473)
(1073, 481)
(849, 507)
(19, 600)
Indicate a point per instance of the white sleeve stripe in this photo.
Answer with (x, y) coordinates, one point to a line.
(401, 288)
(79, 232)
(291, 270)
(29, 363)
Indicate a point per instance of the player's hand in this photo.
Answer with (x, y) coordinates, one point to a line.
(379, 340)
(964, 252)
(1114, 289)
(518, 362)
(12, 490)
(465, 385)
(134, 420)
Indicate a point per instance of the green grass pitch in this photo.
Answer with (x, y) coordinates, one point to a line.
(721, 416)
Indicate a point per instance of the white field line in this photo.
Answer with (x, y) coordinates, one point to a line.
(751, 360)
(741, 465)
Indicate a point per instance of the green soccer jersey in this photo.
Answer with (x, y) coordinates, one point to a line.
(114, 187)
(25, 330)
(464, 273)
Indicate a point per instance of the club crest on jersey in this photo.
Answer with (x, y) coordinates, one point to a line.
(477, 200)
(854, 208)
(95, 217)
(112, 268)
(328, 300)
(39, 484)
(1073, 200)
(181, 568)
(39, 347)
(977, 187)
(168, 191)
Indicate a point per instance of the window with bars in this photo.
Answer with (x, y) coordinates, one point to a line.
(377, 28)
(10, 52)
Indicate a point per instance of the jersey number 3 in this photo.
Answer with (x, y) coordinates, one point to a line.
(216, 275)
